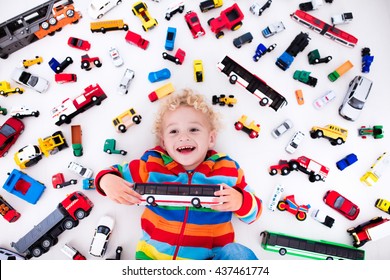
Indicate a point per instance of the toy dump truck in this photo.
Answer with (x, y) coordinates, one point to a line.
(230, 18)
(77, 145)
(341, 70)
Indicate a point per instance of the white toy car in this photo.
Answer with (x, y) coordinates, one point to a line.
(355, 99)
(321, 217)
(128, 76)
(98, 8)
(294, 142)
(278, 190)
(342, 18)
(116, 58)
(282, 128)
(325, 99)
(79, 169)
(29, 80)
(173, 9)
(22, 111)
(102, 234)
(257, 9)
(272, 29)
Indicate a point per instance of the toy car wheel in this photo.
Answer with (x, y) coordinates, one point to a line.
(73, 182)
(196, 202)
(264, 101)
(52, 21)
(301, 216)
(282, 251)
(253, 134)
(137, 119)
(319, 133)
(80, 214)
(47, 243)
(233, 79)
(85, 65)
(103, 30)
(37, 251)
(108, 151)
(328, 58)
(238, 125)
(293, 165)
(312, 177)
(58, 186)
(68, 224)
(143, 27)
(125, 27)
(70, 13)
(339, 141)
(281, 205)
(273, 172)
(317, 177)
(285, 171)
(64, 118)
(209, 21)
(45, 25)
(100, 16)
(151, 201)
(2, 93)
(350, 230)
(122, 128)
(219, 35)
(97, 63)
(177, 61)
(123, 153)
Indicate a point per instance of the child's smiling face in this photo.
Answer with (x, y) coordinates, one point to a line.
(187, 136)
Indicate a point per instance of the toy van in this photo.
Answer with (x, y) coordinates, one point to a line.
(108, 25)
(126, 119)
(98, 8)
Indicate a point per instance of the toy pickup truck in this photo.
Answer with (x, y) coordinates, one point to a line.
(230, 18)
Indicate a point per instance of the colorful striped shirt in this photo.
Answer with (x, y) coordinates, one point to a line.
(174, 232)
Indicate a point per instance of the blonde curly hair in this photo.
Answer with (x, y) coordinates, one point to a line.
(185, 98)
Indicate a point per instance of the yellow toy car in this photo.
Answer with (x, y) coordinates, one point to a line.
(224, 100)
(140, 9)
(5, 89)
(335, 134)
(383, 205)
(376, 170)
(29, 62)
(126, 119)
(198, 70)
(251, 129)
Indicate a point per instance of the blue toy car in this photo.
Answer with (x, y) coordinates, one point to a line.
(347, 161)
(60, 67)
(160, 75)
(170, 40)
(262, 50)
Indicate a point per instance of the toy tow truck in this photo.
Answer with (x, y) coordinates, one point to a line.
(230, 18)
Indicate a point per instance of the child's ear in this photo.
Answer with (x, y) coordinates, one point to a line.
(212, 139)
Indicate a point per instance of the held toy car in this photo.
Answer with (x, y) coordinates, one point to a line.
(101, 236)
(375, 131)
(178, 58)
(209, 5)
(173, 9)
(243, 39)
(136, 39)
(383, 204)
(282, 128)
(257, 9)
(8, 212)
(154, 194)
(170, 39)
(22, 111)
(65, 78)
(58, 181)
(335, 134)
(98, 8)
(127, 77)
(160, 75)
(320, 102)
(29, 62)
(80, 170)
(299, 97)
(342, 18)
(342, 205)
(87, 62)
(376, 170)
(322, 218)
(27, 79)
(289, 204)
(79, 44)
(115, 56)
(375, 229)
(9, 133)
(161, 92)
(251, 129)
(126, 119)
(277, 193)
(230, 18)
(314, 57)
(294, 142)
(193, 24)
(346, 161)
(60, 67)
(110, 147)
(198, 70)
(262, 50)
(272, 29)
(5, 89)
(140, 9)
(223, 100)
(108, 25)
(355, 98)
(304, 77)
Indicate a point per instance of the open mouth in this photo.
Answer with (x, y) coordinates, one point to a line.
(185, 149)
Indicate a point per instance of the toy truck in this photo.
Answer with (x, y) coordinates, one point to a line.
(372, 230)
(136, 39)
(109, 147)
(383, 205)
(314, 57)
(6, 89)
(210, 4)
(304, 77)
(69, 108)
(23, 186)
(297, 45)
(311, 5)
(52, 144)
(72, 253)
(67, 215)
(7, 211)
(230, 18)
(341, 70)
(77, 144)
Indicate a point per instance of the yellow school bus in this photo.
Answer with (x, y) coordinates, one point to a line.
(108, 25)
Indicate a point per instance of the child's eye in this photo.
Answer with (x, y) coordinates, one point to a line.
(173, 131)
(194, 129)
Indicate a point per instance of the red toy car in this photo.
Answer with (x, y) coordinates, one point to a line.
(289, 204)
(79, 44)
(341, 204)
(136, 39)
(178, 58)
(194, 24)
(87, 62)
(65, 78)
(58, 181)
(9, 133)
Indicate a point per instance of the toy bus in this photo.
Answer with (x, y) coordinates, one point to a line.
(157, 194)
(307, 248)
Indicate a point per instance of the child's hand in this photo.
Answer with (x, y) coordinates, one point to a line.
(231, 199)
(119, 190)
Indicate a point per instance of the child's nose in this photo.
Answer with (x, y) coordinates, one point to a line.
(184, 137)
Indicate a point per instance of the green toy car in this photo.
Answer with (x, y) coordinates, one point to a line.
(376, 131)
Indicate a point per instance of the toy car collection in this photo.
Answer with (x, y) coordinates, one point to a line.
(10, 131)
(336, 135)
(342, 205)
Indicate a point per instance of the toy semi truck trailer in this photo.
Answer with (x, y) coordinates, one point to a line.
(77, 145)
(41, 237)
